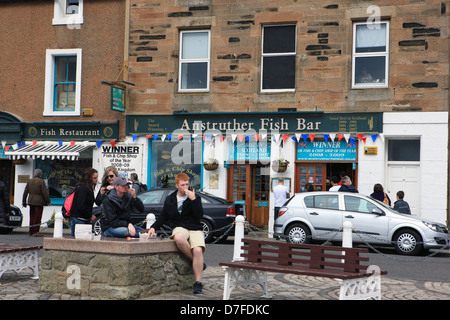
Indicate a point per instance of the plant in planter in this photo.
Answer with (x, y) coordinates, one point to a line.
(280, 165)
(211, 164)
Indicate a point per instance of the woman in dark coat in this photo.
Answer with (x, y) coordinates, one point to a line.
(379, 194)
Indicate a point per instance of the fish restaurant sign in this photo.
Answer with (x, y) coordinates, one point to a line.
(326, 151)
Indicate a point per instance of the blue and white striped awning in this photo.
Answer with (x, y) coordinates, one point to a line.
(49, 150)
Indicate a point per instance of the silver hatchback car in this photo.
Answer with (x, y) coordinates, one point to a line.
(320, 216)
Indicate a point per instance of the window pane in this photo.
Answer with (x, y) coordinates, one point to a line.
(327, 202)
(278, 39)
(279, 72)
(61, 69)
(195, 45)
(371, 38)
(72, 69)
(403, 150)
(153, 197)
(370, 69)
(65, 97)
(194, 75)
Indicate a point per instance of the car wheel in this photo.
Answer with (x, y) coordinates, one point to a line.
(408, 242)
(298, 233)
(207, 228)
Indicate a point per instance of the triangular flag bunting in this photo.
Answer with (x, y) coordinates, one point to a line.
(374, 136)
(285, 136)
(305, 137)
(34, 142)
(326, 136)
(340, 137)
(113, 143)
(99, 143)
(332, 136)
(135, 137)
(352, 141)
(72, 143)
(312, 136)
(347, 136)
(60, 143)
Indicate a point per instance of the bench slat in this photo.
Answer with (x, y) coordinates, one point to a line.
(7, 248)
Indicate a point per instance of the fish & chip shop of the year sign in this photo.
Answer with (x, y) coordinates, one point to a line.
(127, 159)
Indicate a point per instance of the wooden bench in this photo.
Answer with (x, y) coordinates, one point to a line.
(17, 257)
(356, 281)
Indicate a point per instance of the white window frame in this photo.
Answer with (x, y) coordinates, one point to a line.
(50, 78)
(181, 61)
(275, 55)
(61, 18)
(356, 55)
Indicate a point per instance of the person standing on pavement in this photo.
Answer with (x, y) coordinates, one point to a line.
(5, 207)
(335, 184)
(182, 211)
(83, 200)
(38, 197)
(281, 193)
(347, 185)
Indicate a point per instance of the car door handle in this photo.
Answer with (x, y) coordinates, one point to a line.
(349, 217)
(314, 213)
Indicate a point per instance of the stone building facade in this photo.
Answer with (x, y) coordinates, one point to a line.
(368, 76)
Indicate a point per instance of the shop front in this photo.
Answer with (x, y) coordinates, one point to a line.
(62, 151)
(251, 150)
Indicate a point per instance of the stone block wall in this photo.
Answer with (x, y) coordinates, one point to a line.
(418, 55)
(110, 275)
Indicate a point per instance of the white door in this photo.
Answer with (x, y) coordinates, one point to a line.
(404, 177)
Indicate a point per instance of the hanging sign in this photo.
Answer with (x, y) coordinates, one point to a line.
(117, 99)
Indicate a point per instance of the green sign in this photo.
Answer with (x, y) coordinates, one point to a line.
(77, 131)
(117, 99)
(283, 122)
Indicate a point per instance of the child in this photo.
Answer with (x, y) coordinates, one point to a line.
(400, 205)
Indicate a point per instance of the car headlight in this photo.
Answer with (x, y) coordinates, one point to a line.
(433, 226)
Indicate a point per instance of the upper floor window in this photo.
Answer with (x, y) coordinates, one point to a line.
(278, 58)
(62, 82)
(370, 55)
(194, 61)
(68, 12)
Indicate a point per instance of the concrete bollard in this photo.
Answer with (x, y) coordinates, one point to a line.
(150, 220)
(347, 237)
(58, 227)
(238, 236)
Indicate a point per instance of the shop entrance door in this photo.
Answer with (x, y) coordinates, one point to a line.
(7, 174)
(251, 183)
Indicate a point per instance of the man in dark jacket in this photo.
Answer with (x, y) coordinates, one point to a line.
(5, 207)
(182, 211)
(38, 197)
(116, 208)
(347, 185)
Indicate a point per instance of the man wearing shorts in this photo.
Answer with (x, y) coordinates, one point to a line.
(182, 211)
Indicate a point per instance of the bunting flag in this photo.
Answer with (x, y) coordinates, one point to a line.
(148, 136)
(374, 136)
(155, 136)
(241, 137)
(325, 137)
(352, 141)
(312, 136)
(285, 136)
(361, 137)
(298, 136)
(276, 137)
(7, 148)
(34, 142)
(113, 143)
(72, 143)
(60, 142)
(256, 137)
(163, 137)
(99, 143)
(340, 137)
(305, 137)
(332, 136)
(134, 137)
(3, 143)
(169, 137)
(347, 136)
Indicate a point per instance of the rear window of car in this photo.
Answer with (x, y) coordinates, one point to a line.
(322, 202)
(152, 197)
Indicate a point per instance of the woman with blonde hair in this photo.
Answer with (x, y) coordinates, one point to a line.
(107, 183)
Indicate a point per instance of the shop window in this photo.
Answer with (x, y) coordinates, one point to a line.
(370, 55)
(68, 12)
(403, 150)
(194, 61)
(164, 170)
(278, 58)
(62, 175)
(63, 82)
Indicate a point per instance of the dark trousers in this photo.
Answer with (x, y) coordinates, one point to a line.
(35, 218)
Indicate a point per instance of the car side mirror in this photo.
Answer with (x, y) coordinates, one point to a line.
(378, 212)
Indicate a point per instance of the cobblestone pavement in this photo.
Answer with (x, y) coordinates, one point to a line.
(19, 286)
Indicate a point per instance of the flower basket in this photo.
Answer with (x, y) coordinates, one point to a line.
(211, 165)
(280, 165)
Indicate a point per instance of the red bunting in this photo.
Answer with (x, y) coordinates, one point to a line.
(72, 143)
(113, 143)
(312, 136)
(241, 137)
(34, 142)
(285, 136)
(340, 136)
(256, 137)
